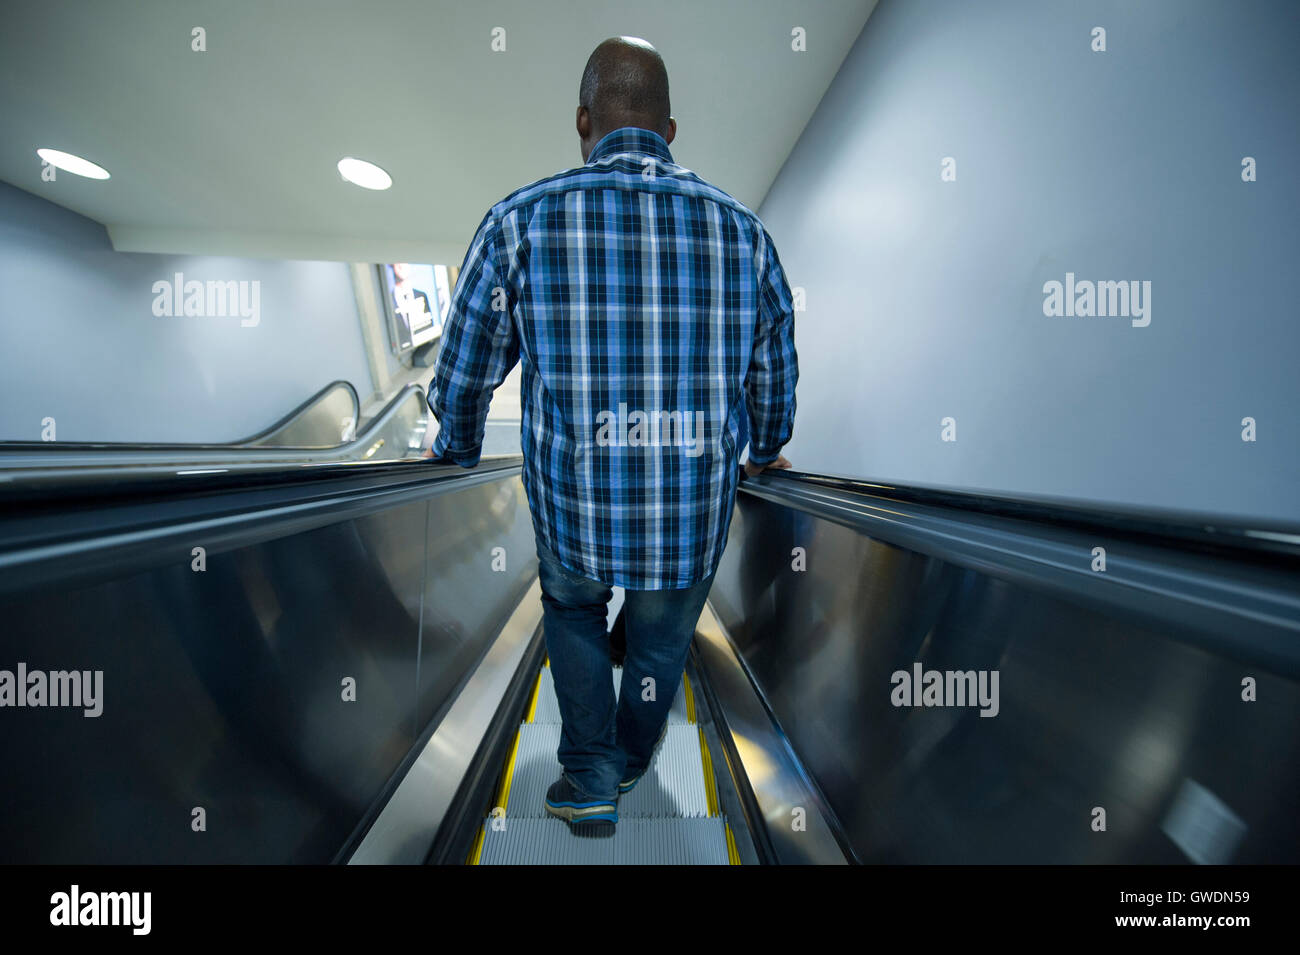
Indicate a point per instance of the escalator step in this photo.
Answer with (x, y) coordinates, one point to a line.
(673, 788)
(548, 708)
(636, 842)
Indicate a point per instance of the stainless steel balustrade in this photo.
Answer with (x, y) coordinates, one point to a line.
(227, 671)
(326, 419)
(1119, 690)
(395, 433)
(276, 632)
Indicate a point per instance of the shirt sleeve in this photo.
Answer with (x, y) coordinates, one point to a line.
(480, 346)
(773, 364)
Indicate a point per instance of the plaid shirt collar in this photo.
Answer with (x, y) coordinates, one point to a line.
(630, 139)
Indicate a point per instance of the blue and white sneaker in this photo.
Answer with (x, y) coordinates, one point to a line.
(585, 815)
(627, 785)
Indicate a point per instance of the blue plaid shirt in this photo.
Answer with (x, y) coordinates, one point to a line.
(648, 308)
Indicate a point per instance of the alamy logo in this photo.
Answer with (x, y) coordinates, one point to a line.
(211, 299)
(946, 688)
(1104, 299)
(75, 907)
(651, 429)
(83, 688)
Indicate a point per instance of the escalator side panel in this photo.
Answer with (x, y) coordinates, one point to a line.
(1097, 708)
(256, 703)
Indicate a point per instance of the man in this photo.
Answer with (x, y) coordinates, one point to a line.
(650, 312)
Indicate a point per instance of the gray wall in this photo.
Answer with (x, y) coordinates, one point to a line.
(79, 341)
(925, 298)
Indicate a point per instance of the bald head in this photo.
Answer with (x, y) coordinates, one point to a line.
(625, 84)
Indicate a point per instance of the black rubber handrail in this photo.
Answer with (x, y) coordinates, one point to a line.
(1189, 528)
(77, 533)
(1230, 588)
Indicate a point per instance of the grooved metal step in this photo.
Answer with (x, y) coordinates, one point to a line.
(548, 708)
(671, 817)
(636, 842)
(673, 787)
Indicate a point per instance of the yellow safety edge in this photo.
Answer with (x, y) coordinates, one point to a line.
(532, 704)
(710, 784)
(503, 794)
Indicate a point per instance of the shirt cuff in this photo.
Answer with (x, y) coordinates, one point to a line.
(466, 459)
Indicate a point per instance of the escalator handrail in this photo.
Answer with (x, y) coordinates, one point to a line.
(260, 439)
(79, 534)
(45, 467)
(1230, 589)
(70, 447)
(803, 489)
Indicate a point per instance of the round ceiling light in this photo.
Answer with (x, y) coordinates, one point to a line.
(364, 174)
(73, 164)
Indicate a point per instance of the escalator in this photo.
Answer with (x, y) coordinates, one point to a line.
(321, 430)
(672, 817)
(326, 419)
(334, 654)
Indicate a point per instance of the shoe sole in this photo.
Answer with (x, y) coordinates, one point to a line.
(592, 820)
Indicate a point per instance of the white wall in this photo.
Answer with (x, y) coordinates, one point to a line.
(79, 340)
(925, 298)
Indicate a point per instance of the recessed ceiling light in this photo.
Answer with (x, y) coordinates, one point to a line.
(73, 164)
(364, 174)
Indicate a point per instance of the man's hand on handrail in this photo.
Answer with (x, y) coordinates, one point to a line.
(780, 464)
(427, 454)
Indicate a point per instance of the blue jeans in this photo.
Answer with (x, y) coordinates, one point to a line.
(600, 743)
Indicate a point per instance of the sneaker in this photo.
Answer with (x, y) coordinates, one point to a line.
(626, 786)
(585, 815)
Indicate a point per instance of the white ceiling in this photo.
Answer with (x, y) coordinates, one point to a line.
(233, 151)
